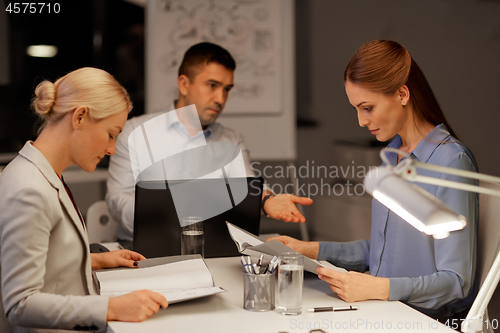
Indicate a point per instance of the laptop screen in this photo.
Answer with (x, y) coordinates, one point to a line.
(161, 205)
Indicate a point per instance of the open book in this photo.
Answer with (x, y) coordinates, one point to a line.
(178, 278)
(250, 245)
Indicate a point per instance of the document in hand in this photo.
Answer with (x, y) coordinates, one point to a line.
(178, 279)
(250, 245)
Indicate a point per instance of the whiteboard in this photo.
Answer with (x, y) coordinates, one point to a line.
(260, 36)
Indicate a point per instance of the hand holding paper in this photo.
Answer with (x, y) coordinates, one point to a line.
(309, 249)
(255, 247)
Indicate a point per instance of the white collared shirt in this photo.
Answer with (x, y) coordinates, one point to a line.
(171, 139)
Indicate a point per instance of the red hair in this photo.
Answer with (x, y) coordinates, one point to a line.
(385, 66)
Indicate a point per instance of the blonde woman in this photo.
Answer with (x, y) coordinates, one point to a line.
(45, 263)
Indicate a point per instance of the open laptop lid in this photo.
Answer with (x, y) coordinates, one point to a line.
(160, 206)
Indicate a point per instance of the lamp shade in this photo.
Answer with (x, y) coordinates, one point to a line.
(413, 204)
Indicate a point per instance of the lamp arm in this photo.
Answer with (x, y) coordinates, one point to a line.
(408, 167)
(474, 320)
(407, 170)
(449, 183)
(456, 172)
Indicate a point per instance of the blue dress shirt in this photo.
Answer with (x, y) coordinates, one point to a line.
(436, 276)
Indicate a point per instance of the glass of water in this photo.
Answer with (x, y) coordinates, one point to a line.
(192, 236)
(290, 283)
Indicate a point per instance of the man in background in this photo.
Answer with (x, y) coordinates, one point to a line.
(205, 80)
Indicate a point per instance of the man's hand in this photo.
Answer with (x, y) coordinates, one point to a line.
(282, 207)
(354, 286)
(125, 258)
(136, 306)
(309, 249)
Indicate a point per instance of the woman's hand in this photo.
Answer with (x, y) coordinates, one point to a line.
(125, 258)
(283, 207)
(354, 286)
(136, 306)
(309, 249)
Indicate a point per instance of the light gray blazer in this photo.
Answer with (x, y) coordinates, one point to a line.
(45, 263)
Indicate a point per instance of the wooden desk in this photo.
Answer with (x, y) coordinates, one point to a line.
(224, 312)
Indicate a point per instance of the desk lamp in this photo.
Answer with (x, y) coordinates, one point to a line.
(428, 214)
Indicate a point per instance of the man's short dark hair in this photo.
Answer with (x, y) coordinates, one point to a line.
(202, 54)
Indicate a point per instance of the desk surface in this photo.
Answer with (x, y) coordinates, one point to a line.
(224, 312)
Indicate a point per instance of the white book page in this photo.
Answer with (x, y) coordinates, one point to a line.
(242, 238)
(326, 264)
(185, 274)
(178, 295)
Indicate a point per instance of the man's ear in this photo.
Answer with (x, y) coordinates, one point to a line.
(404, 94)
(79, 116)
(183, 83)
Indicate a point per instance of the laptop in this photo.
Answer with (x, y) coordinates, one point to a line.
(160, 206)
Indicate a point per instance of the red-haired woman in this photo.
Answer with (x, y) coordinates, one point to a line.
(394, 100)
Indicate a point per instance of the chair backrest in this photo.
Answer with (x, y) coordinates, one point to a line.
(488, 244)
(100, 225)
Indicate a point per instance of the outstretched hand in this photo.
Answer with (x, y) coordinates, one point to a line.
(125, 258)
(283, 207)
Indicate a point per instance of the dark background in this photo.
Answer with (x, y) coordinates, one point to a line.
(107, 34)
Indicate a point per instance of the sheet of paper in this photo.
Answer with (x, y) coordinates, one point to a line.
(178, 275)
(326, 264)
(271, 248)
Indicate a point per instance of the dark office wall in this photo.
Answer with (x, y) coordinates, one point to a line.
(455, 42)
(86, 33)
(70, 31)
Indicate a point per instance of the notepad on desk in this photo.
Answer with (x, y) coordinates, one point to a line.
(250, 245)
(178, 279)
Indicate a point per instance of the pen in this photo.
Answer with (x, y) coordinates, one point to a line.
(272, 265)
(259, 263)
(329, 308)
(246, 267)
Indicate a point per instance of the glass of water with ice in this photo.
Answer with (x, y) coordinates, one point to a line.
(290, 283)
(192, 236)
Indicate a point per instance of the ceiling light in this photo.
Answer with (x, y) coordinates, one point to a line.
(42, 51)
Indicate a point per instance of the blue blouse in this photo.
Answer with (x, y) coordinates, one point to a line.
(436, 276)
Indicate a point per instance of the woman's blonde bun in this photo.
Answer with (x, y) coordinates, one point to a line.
(44, 99)
(90, 87)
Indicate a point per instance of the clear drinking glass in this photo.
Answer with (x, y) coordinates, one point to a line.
(192, 236)
(290, 283)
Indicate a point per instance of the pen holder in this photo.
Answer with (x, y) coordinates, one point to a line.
(258, 291)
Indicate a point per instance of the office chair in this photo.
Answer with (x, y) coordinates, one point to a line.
(101, 227)
(488, 244)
